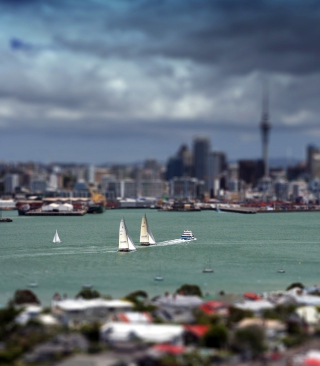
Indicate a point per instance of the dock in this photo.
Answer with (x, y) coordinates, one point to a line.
(241, 210)
(5, 219)
(255, 210)
(55, 213)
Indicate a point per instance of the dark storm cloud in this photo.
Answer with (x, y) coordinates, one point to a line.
(153, 70)
(238, 37)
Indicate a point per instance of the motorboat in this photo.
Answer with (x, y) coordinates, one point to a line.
(158, 278)
(207, 270)
(187, 235)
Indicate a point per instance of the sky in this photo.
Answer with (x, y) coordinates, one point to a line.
(121, 81)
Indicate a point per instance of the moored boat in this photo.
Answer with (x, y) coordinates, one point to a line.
(125, 242)
(146, 237)
(96, 209)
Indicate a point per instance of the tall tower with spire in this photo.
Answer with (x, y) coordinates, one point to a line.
(265, 127)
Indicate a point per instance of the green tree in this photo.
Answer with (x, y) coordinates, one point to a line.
(91, 332)
(189, 290)
(280, 312)
(88, 294)
(7, 321)
(236, 315)
(21, 297)
(295, 284)
(138, 299)
(250, 340)
(216, 337)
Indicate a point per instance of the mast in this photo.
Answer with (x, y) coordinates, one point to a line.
(265, 127)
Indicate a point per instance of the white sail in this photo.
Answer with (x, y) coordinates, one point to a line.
(151, 238)
(131, 245)
(146, 236)
(125, 242)
(56, 238)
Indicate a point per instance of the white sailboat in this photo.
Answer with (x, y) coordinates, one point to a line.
(146, 237)
(159, 277)
(125, 242)
(208, 268)
(56, 238)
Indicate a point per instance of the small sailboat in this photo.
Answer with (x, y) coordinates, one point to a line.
(208, 269)
(125, 242)
(146, 237)
(56, 238)
(281, 270)
(33, 284)
(159, 277)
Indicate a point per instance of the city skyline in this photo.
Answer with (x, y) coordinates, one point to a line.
(122, 81)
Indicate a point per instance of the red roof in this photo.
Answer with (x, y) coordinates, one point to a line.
(251, 296)
(198, 330)
(168, 348)
(212, 307)
(311, 362)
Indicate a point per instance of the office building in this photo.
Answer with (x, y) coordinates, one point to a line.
(201, 148)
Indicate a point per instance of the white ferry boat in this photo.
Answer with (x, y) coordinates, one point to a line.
(188, 235)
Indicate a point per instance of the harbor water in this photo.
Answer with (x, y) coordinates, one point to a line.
(245, 252)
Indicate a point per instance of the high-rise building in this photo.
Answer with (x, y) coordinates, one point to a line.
(174, 168)
(91, 174)
(180, 165)
(201, 148)
(216, 165)
(11, 182)
(313, 161)
(185, 187)
(185, 155)
(250, 171)
(265, 127)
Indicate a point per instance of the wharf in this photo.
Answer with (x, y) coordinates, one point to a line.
(5, 219)
(54, 213)
(242, 210)
(255, 210)
(287, 211)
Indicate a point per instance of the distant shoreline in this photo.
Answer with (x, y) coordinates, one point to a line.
(252, 210)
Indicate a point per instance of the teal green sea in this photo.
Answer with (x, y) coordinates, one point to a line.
(245, 252)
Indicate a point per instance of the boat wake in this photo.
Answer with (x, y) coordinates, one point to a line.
(61, 251)
(58, 253)
(172, 242)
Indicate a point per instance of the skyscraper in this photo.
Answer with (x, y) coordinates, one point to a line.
(265, 130)
(217, 163)
(201, 148)
(313, 159)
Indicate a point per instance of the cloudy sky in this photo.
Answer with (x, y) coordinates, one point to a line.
(124, 80)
